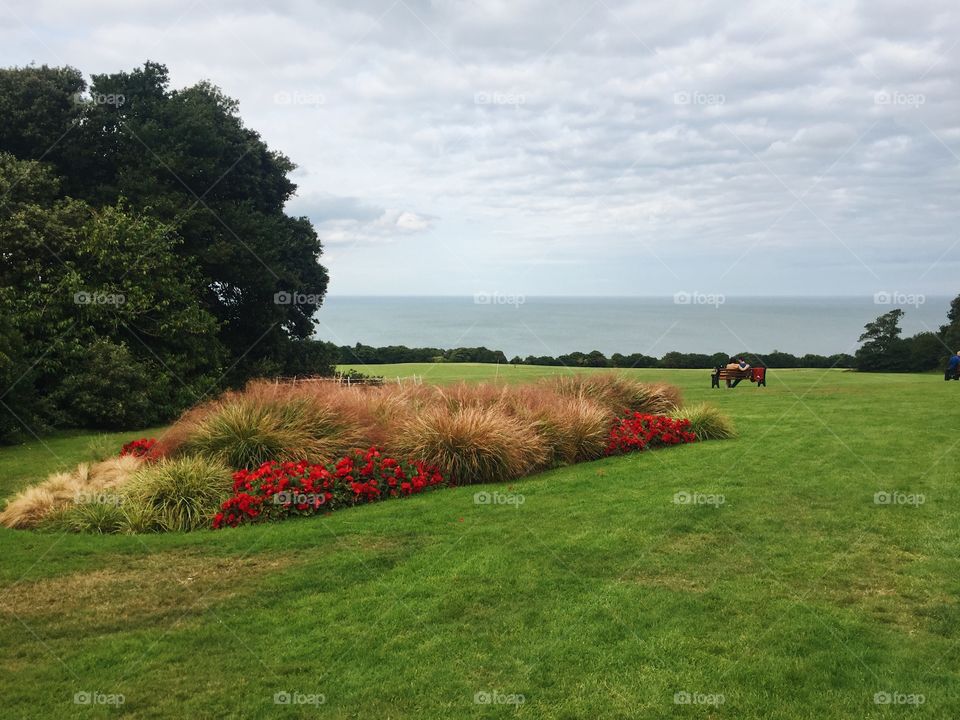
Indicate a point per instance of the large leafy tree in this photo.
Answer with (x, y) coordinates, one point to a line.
(185, 158)
(112, 331)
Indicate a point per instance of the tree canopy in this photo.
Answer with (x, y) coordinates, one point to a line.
(128, 188)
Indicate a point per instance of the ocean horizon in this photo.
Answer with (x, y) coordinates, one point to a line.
(652, 325)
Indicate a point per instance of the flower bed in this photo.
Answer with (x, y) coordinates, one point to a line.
(639, 431)
(277, 490)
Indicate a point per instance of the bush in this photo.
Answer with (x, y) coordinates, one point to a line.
(639, 431)
(178, 495)
(472, 444)
(280, 490)
(707, 422)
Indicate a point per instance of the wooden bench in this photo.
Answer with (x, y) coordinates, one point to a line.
(756, 375)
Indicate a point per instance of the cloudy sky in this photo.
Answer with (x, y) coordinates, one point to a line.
(598, 148)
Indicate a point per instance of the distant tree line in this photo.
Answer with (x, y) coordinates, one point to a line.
(883, 350)
(367, 355)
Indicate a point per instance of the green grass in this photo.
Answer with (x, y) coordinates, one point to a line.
(597, 596)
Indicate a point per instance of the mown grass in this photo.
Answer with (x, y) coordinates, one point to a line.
(596, 596)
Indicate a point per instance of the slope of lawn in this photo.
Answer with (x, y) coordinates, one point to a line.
(586, 590)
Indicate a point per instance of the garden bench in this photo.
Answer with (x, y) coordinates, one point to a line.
(756, 375)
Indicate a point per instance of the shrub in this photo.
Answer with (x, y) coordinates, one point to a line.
(473, 444)
(181, 494)
(143, 448)
(639, 432)
(707, 422)
(280, 490)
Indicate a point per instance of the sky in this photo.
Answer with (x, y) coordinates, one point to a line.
(534, 147)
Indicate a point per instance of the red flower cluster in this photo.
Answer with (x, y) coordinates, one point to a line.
(139, 448)
(278, 490)
(639, 431)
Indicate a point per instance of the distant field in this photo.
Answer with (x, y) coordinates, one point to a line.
(593, 594)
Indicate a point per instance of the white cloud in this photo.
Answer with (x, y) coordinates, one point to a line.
(507, 131)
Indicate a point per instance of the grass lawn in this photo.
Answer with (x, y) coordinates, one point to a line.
(592, 594)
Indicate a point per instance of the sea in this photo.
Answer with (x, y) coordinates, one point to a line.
(524, 325)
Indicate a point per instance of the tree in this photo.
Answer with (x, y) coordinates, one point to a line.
(184, 158)
(39, 108)
(926, 352)
(883, 349)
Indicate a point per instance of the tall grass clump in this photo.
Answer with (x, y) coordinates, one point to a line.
(178, 494)
(33, 504)
(574, 429)
(618, 393)
(707, 422)
(472, 444)
(87, 517)
(270, 422)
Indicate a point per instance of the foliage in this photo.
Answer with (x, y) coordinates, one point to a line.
(885, 351)
(163, 197)
(472, 444)
(268, 422)
(142, 448)
(105, 309)
(88, 517)
(706, 421)
(367, 355)
(181, 494)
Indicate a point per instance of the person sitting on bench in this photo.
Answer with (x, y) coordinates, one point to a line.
(741, 365)
(735, 364)
(953, 368)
